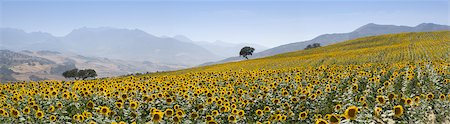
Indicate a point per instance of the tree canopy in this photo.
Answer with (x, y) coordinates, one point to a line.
(80, 74)
(246, 51)
(314, 45)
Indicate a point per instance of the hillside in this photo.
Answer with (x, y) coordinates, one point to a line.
(40, 65)
(387, 48)
(370, 29)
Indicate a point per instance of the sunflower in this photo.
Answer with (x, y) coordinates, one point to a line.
(51, 109)
(26, 110)
(303, 115)
(176, 119)
(381, 100)
(119, 105)
(4, 113)
(209, 118)
(355, 87)
(59, 105)
(241, 113)
(442, 97)
(39, 114)
(430, 96)
(337, 107)
(266, 109)
(232, 119)
(391, 97)
(35, 107)
(234, 111)
(194, 115)
(87, 114)
(15, 113)
(408, 101)
(321, 121)
(215, 112)
(53, 118)
(169, 112)
(134, 105)
(416, 99)
(180, 113)
(398, 111)
(313, 97)
(124, 96)
(157, 116)
(90, 105)
(259, 112)
(104, 110)
(275, 100)
(351, 112)
(334, 119)
(377, 111)
(169, 100)
(92, 122)
(209, 100)
(294, 100)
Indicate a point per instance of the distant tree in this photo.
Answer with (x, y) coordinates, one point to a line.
(87, 73)
(246, 51)
(71, 73)
(80, 74)
(314, 45)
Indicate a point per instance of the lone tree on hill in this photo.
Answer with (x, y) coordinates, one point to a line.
(80, 74)
(246, 51)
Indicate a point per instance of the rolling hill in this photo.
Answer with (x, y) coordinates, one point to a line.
(387, 48)
(370, 29)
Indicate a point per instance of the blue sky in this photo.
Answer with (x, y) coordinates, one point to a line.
(268, 23)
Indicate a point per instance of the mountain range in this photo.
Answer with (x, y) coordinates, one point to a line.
(124, 44)
(370, 29)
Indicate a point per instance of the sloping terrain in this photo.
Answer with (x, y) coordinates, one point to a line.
(370, 29)
(41, 65)
(404, 47)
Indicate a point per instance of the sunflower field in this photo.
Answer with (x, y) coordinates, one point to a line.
(394, 78)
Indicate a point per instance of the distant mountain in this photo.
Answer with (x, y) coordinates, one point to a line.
(40, 65)
(16, 39)
(370, 29)
(135, 45)
(221, 48)
(110, 43)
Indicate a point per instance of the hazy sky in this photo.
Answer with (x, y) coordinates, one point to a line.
(268, 23)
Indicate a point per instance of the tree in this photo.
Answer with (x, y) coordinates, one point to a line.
(314, 45)
(80, 74)
(87, 73)
(246, 51)
(71, 73)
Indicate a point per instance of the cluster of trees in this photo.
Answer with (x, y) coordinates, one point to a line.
(314, 45)
(80, 74)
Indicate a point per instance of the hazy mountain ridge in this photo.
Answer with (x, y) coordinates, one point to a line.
(370, 29)
(110, 43)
